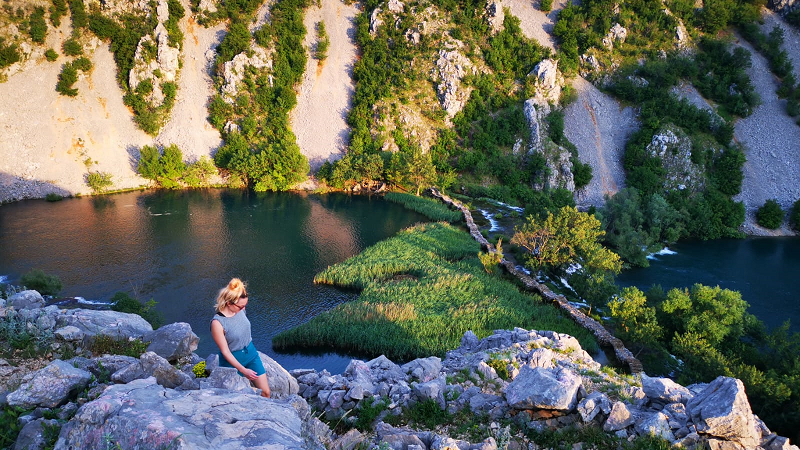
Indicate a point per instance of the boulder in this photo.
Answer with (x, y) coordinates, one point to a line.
(383, 369)
(395, 6)
(152, 365)
(722, 410)
(359, 375)
(229, 378)
(548, 82)
(143, 414)
(348, 441)
(49, 387)
(451, 67)
(656, 424)
(172, 342)
(619, 418)
(233, 71)
(665, 390)
(375, 22)
(537, 388)
(423, 369)
(431, 390)
(69, 334)
(281, 384)
(31, 437)
(469, 341)
(591, 405)
(542, 357)
(107, 323)
(29, 299)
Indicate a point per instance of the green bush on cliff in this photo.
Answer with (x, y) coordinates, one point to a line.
(123, 302)
(420, 292)
(770, 215)
(794, 216)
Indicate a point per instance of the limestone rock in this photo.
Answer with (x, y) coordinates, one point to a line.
(548, 82)
(656, 424)
(383, 369)
(535, 112)
(50, 386)
(375, 22)
(784, 7)
(207, 6)
(537, 388)
(173, 341)
(431, 390)
(681, 35)
(69, 334)
(234, 70)
(591, 405)
(617, 33)
(495, 15)
(722, 410)
(152, 365)
(674, 148)
(665, 390)
(281, 384)
(31, 437)
(395, 6)
(143, 414)
(360, 376)
(29, 299)
(619, 418)
(423, 369)
(229, 378)
(451, 66)
(348, 441)
(469, 341)
(106, 323)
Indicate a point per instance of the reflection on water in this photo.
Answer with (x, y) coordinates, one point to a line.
(180, 247)
(765, 270)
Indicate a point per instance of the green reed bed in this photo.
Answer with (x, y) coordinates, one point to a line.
(430, 208)
(421, 291)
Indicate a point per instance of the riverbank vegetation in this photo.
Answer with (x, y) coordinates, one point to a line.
(701, 332)
(420, 292)
(168, 170)
(430, 208)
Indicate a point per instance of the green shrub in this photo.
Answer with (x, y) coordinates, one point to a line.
(368, 410)
(428, 414)
(236, 41)
(51, 55)
(770, 215)
(46, 284)
(23, 338)
(83, 64)
(199, 173)
(53, 197)
(199, 370)
(99, 182)
(546, 5)
(123, 302)
(500, 366)
(67, 77)
(37, 25)
(148, 165)
(10, 425)
(323, 42)
(79, 17)
(109, 345)
(9, 54)
(582, 173)
(57, 10)
(794, 216)
(72, 47)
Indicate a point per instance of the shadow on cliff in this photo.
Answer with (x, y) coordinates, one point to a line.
(15, 188)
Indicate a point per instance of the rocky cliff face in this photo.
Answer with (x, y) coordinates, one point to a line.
(537, 379)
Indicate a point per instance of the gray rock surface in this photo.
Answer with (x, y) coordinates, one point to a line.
(537, 388)
(619, 418)
(50, 386)
(152, 365)
(143, 414)
(451, 67)
(172, 342)
(29, 299)
(281, 384)
(722, 411)
(107, 323)
(665, 390)
(32, 435)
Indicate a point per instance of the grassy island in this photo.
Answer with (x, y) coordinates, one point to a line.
(420, 292)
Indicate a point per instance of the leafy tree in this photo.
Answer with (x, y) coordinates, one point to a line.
(51, 55)
(57, 10)
(79, 17)
(633, 319)
(770, 215)
(9, 54)
(712, 313)
(413, 169)
(72, 47)
(563, 238)
(67, 77)
(171, 167)
(39, 281)
(199, 172)
(99, 181)
(236, 41)
(123, 302)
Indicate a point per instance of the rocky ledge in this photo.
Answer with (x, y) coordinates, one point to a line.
(536, 379)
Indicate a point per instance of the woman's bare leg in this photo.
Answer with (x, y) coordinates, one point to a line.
(262, 383)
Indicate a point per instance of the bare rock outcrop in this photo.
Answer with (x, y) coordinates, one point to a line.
(495, 15)
(234, 70)
(674, 148)
(784, 7)
(159, 67)
(617, 33)
(451, 66)
(722, 410)
(49, 387)
(548, 82)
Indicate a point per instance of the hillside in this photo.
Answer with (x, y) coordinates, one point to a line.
(423, 96)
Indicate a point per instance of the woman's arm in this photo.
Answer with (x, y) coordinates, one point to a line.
(218, 333)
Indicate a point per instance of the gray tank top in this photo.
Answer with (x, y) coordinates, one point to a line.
(237, 330)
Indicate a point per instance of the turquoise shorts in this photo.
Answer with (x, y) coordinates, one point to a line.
(247, 357)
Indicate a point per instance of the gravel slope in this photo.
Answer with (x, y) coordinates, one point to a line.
(326, 91)
(772, 146)
(599, 126)
(188, 126)
(534, 23)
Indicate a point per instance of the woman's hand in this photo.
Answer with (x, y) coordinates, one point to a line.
(250, 374)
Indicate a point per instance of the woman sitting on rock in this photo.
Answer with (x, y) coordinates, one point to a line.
(231, 331)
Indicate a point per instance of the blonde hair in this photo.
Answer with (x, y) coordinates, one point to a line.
(230, 294)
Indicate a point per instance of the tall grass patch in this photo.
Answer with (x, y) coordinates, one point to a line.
(420, 292)
(429, 208)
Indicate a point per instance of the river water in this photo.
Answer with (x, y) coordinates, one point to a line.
(765, 270)
(181, 247)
